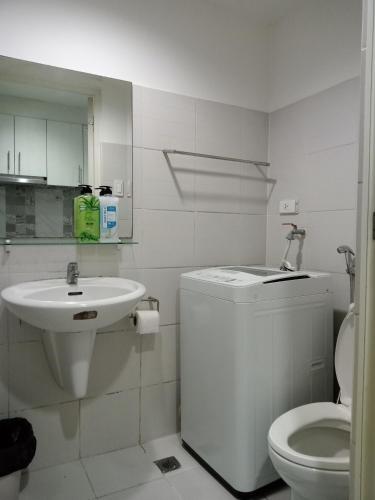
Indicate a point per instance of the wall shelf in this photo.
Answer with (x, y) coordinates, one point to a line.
(8, 242)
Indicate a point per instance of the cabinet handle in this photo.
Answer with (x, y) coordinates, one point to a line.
(80, 174)
(19, 163)
(8, 162)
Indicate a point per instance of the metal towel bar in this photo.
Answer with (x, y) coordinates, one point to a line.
(216, 157)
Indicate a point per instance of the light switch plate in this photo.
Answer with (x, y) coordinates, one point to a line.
(118, 187)
(288, 207)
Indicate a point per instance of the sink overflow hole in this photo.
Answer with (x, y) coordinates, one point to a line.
(168, 464)
(75, 293)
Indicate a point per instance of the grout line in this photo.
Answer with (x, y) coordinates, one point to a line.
(88, 477)
(79, 430)
(329, 148)
(129, 488)
(140, 391)
(70, 401)
(8, 346)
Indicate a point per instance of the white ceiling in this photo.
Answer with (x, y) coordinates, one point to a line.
(262, 12)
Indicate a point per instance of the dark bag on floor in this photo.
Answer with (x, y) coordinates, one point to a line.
(17, 445)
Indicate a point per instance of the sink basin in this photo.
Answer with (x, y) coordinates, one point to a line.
(91, 304)
(69, 316)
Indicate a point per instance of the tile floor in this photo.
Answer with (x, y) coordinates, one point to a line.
(130, 474)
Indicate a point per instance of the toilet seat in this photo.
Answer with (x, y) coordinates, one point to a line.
(314, 435)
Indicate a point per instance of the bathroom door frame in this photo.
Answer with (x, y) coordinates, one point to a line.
(362, 484)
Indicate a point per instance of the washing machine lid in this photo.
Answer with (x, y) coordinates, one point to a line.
(247, 284)
(344, 358)
(240, 276)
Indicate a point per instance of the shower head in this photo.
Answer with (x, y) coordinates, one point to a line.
(350, 266)
(345, 249)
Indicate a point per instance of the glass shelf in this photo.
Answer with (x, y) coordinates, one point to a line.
(7, 242)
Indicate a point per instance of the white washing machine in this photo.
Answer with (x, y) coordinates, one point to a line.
(255, 342)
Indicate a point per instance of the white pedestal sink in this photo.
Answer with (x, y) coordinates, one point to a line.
(70, 316)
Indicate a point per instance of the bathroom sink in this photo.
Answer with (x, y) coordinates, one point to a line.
(91, 304)
(70, 315)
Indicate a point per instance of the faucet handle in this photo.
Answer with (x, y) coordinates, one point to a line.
(294, 226)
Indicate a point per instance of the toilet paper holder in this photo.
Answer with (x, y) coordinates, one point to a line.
(152, 301)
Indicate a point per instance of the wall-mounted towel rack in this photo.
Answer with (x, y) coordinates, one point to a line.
(216, 157)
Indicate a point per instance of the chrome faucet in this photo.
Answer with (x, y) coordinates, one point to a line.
(295, 233)
(72, 273)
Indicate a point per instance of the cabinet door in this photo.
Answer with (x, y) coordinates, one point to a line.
(30, 146)
(6, 144)
(85, 173)
(64, 153)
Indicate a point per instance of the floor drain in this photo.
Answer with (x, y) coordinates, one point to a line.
(167, 464)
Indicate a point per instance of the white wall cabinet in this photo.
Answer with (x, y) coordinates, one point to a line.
(65, 153)
(6, 144)
(30, 146)
(43, 148)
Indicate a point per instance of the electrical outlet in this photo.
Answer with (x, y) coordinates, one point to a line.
(288, 207)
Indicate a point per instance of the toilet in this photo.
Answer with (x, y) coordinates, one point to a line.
(310, 446)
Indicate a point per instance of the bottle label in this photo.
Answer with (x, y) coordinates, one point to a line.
(109, 217)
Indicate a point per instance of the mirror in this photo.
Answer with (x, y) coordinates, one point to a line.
(58, 129)
(43, 133)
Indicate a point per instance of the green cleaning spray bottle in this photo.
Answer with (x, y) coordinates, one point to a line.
(86, 211)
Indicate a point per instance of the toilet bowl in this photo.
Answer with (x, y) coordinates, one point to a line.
(310, 446)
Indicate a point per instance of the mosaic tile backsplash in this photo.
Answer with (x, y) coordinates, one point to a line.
(36, 211)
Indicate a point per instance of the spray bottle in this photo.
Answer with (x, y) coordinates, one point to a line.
(109, 215)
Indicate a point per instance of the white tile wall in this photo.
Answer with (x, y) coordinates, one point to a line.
(314, 157)
(231, 131)
(166, 238)
(160, 356)
(30, 380)
(56, 428)
(230, 239)
(19, 331)
(3, 379)
(188, 213)
(158, 410)
(115, 364)
(163, 120)
(110, 422)
(161, 186)
(164, 284)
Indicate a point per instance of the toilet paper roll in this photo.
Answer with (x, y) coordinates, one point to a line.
(147, 322)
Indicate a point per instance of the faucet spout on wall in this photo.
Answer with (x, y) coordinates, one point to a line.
(292, 235)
